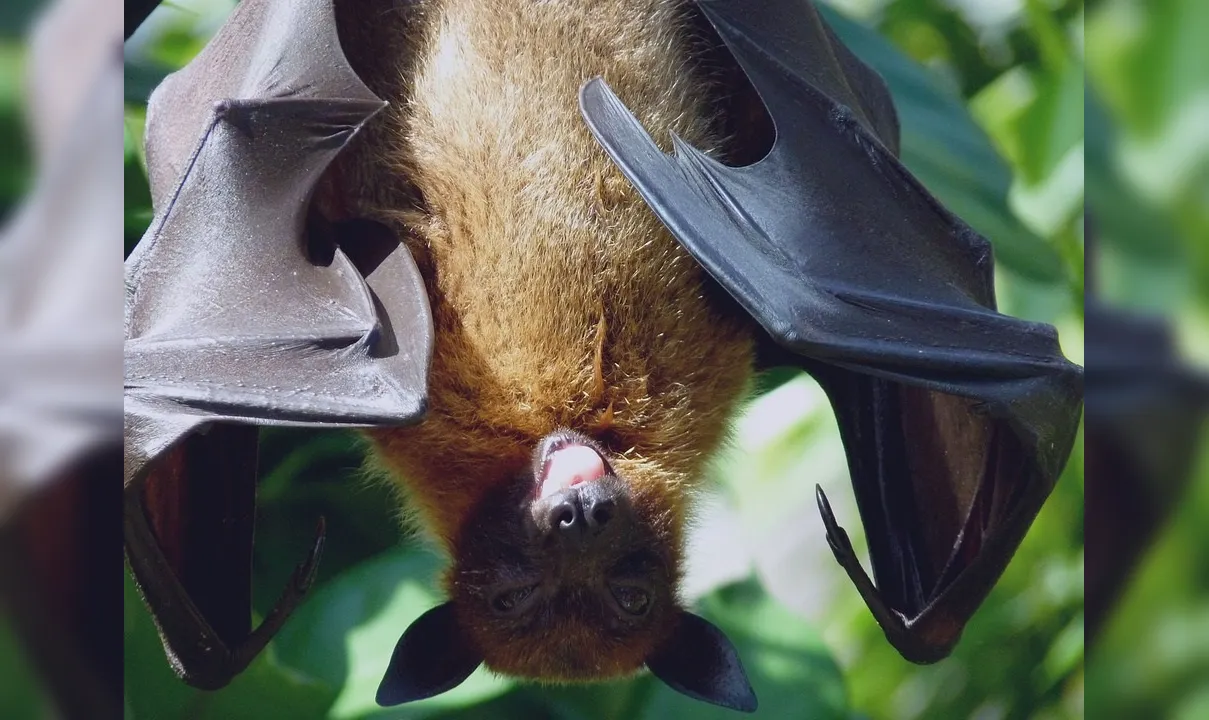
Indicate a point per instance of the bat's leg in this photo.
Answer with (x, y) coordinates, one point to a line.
(194, 649)
(190, 553)
(900, 631)
(295, 590)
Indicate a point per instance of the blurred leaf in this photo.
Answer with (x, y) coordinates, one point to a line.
(790, 668)
(950, 154)
(773, 378)
(346, 632)
(934, 32)
(142, 76)
(1141, 261)
(16, 163)
(21, 692)
(1066, 654)
(306, 474)
(522, 702)
(265, 690)
(177, 43)
(615, 699)
(1149, 59)
(137, 211)
(785, 436)
(16, 15)
(1053, 124)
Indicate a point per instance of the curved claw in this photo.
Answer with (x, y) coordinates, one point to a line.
(197, 653)
(840, 544)
(295, 590)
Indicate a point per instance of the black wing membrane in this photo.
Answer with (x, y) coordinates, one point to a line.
(244, 308)
(956, 420)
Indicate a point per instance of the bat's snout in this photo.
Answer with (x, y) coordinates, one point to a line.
(582, 512)
(583, 517)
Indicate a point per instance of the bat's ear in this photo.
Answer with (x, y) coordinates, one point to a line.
(700, 661)
(432, 656)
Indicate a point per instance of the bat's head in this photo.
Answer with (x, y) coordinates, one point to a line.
(567, 575)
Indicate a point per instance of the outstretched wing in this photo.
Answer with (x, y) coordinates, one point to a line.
(245, 306)
(956, 420)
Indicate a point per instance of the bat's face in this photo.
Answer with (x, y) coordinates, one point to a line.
(568, 572)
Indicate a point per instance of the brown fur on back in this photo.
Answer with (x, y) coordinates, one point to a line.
(559, 299)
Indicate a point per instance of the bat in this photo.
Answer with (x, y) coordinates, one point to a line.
(555, 343)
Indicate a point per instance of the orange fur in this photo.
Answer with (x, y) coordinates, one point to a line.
(559, 300)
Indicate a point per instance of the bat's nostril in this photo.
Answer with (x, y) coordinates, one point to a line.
(600, 513)
(564, 516)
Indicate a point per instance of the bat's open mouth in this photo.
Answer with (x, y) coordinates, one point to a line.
(566, 459)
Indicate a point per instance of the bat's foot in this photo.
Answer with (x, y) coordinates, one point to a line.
(199, 655)
(907, 635)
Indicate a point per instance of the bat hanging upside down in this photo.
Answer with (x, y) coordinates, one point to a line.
(554, 350)
(581, 376)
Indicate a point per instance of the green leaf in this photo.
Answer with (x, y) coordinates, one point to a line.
(346, 633)
(141, 77)
(788, 665)
(16, 163)
(137, 213)
(266, 689)
(950, 153)
(16, 16)
(614, 699)
(1149, 59)
(780, 439)
(1053, 124)
(21, 694)
(308, 474)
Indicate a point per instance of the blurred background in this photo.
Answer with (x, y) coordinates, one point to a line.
(1003, 103)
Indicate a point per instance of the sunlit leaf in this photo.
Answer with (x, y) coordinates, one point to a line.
(346, 632)
(308, 474)
(791, 670)
(265, 690)
(137, 211)
(16, 166)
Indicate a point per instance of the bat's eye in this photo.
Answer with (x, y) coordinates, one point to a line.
(512, 600)
(633, 600)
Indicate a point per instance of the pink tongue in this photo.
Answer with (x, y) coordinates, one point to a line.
(570, 466)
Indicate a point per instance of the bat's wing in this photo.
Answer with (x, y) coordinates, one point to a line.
(244, 306)
(956, 420)
(234, 311)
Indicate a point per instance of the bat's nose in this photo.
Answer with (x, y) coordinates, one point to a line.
(581, 514)
(575, 514)
(565, 515)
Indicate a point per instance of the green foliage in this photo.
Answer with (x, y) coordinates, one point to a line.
(345, 635)
(21, 693)
(16, 16)
(992, 127)
(951, 154)
(1148, 178)
(15, 162)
